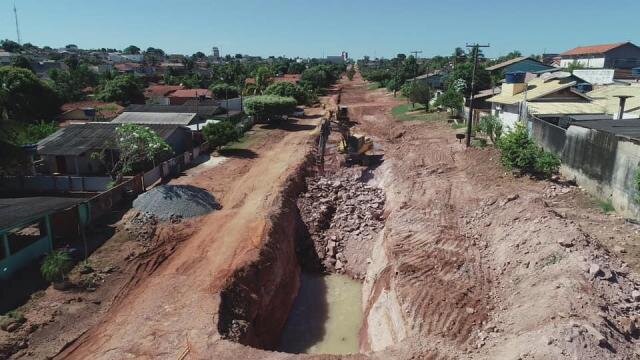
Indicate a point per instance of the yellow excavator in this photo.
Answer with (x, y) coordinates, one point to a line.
(355, 147)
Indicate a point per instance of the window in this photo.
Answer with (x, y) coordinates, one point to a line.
(20, 238)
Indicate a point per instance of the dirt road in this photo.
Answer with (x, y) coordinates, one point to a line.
(172, 310)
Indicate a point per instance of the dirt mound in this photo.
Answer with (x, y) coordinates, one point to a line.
(168, 202)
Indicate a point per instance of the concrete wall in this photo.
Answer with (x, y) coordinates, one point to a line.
(601, 163)
(587, 62)
(509, 115)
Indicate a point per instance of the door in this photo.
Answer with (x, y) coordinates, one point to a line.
(61, 164)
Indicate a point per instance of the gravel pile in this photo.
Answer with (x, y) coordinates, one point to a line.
(168, 202)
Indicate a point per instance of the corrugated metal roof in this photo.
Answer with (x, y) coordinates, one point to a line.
(536, 88)
(564, 108)
(507, 63)
(155, 118)
(628, 128)
(16, 211)
(77, 139)
(201, 110)
(606, 97)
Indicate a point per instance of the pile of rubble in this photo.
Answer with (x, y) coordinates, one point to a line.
(341, 213)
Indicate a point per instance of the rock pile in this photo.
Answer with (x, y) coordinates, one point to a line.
(342, 214)
(170, 202)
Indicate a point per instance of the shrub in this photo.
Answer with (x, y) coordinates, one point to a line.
(288, 90)
(266, 107)
(519, 152)
(492, 127)
(56, 266)
(221, 133)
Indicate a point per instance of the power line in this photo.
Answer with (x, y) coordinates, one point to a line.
(476, 50)
(415, 53)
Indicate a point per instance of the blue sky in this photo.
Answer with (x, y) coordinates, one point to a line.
(310, 28)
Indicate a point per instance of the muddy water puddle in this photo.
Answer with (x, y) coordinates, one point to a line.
(326, 316)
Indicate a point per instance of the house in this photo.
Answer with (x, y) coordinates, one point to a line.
(127, 68)
(70, 150)
(164, 118)
(121, 58)
(26, 230)
(159, 94)
(288, 78)
(435, 80)
(335, 59)
(609, 98)
(203, 112)
(520, 64)
(6, 58)
(179, 97)
(42, 68)
(85, 111)
(607, 56)
(552, 93)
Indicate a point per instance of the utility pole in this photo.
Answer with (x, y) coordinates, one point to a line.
(15, 13)
(415, 53)
(476, 49)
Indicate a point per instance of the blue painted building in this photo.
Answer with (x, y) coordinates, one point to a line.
(520, 64)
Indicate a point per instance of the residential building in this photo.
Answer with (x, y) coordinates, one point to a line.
(121, 58)
(607, 56)
(215, 52)
(202, 111)
(179, 97)
(27, 231)
(609, 98)
(70, 150)
(163, 118)
(86, 111)
(549, 94)
(436, 79)
(6, 58)
(159, 94)
(520, 64)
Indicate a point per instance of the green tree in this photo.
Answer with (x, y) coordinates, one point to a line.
(137, 146)
(395, 85)
(492, 127)
(10, 46)
(22, 62)
(464, 72)
(451, 99)
(123, 89)
(287, 90)
(219, 134)
(222, 91)
(351, 73)
(296, 68)
(32, 133)
(575, 65)
(519, 152)
(25, 97)
(268, 107)
(263, 77)
(319, 76)
(409, 68)
(419, 92)
(131, 50)
(69, 84)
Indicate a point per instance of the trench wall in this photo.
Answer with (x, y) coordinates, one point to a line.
(256, 302)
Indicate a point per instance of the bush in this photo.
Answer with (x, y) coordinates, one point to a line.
(266, 107)
(492, 127)
(221, 91)
(221, 133)
(288, 90)
(56, 266)
(521, 153)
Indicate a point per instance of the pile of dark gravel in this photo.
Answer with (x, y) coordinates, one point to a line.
(168, 202)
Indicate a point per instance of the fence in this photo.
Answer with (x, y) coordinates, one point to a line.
(551, 137)
(172, 167)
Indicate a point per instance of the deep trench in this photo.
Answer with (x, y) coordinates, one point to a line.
(256, 303)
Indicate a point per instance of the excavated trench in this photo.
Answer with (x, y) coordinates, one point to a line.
(304, 293)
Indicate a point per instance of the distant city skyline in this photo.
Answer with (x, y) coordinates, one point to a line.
(319, 29)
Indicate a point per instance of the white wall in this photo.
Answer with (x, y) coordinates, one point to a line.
(509, 115)
(590, 63)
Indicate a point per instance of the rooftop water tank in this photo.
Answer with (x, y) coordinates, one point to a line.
(584, 87)
(515, 77)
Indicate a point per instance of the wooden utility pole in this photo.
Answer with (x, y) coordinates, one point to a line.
(476, 49)
(415, 53)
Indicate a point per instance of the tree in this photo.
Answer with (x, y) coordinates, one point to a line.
(267, 107)
(123, 89)
(32, 133)
(351, 73)
(131, 50)
(320, 76)
(451, 99)
(419, 92)
(198, 55)
(137, 145)
(69, 84)
(224, 91)
(464, 72)
(458, 56)
(401, 57)
(395, 84)
(287, 90)
(153, 56)
(409, 68)
(296, 68)
(10, 46)
(219, 134)
(519, 151)
(575, 65)
(25, 97)
(22, 62)
(263, 76)
(492, 127)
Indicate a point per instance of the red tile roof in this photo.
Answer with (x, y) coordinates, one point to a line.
(593, 49)
(191, 93)
(161, 90)
(106, 110)
(290, 78)
(127, 66)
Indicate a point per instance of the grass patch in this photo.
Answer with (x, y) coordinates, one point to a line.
(606, 206)
(407, 112)
(373, 86)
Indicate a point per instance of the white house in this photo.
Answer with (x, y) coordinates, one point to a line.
(608, 56)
